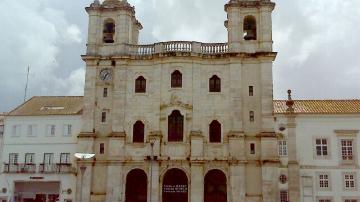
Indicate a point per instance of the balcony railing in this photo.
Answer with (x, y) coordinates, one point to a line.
(65, 168)
(19, 168)
(173, 46)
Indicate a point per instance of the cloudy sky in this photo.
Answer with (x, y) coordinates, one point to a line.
(318, 43)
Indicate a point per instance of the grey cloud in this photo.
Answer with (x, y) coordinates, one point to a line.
(317, 43)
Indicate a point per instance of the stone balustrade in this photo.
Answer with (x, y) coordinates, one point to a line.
(179, 46)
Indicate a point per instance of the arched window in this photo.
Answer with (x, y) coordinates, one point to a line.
(175, 127)
(140, 85)
(215, 84)
(250, 28)
(138, 132)
(109, 31)
(176, 79)
(175, 186)
(136, 186)
(215, 131)
(215, 187)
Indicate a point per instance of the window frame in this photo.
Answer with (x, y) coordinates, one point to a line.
(32, 157)
(67, 158)
(16, 159)
(174, 123)
(321, 146)
(215, 84)
(140, 85)
(215, 129)
(284, 193)
(355, 181)
(176, 79)
(283, 148)
(321, 180)
(136, 132)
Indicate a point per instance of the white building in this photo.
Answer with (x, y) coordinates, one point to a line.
(38, 148)
(327, 142)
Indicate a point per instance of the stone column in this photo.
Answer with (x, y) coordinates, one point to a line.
(197, 182)
(84, 185)
(237, 181)
(293, 164)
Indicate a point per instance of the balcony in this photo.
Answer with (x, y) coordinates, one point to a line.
(19, 168)
(65, 168)
(165, 48)
(48, 168)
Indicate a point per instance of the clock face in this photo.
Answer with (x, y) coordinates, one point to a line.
(105, 75)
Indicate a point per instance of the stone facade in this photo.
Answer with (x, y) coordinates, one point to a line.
(247, 151)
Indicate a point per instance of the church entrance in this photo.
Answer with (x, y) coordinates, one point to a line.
(136, 186)
(215, 187)
(175, 186)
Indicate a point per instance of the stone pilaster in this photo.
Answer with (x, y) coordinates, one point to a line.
(155, 176)
(237, 182)
(197, 182)
(114, 183)
(197, 144)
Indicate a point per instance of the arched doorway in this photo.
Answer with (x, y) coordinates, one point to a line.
(175, 186)
(136, 186)
(215, 186)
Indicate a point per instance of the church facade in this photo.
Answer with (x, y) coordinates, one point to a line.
(181, 121)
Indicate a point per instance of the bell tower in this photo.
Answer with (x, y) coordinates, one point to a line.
(112, 25)
(249, 25)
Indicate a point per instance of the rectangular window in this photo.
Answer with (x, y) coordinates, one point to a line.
(347, 150)
(102, 148)
(284, 196)
(29, 158)
(105, 92)
(252, 148)
(251, 90)
(323, 181)
(51, 129)
(67, 130)
(283, 148)
(65, 158)
(16, 130)
(350, 181)
(48, 158)
(324, 200)
(13, 158)
(32, 130)
(103, 117)
(321, 146)
(350, 200)
(252, 116)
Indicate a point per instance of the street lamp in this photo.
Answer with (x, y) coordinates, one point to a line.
(83, 157)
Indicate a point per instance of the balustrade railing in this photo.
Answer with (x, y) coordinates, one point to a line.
(142, 49)
(214, 48)
(177, 46)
